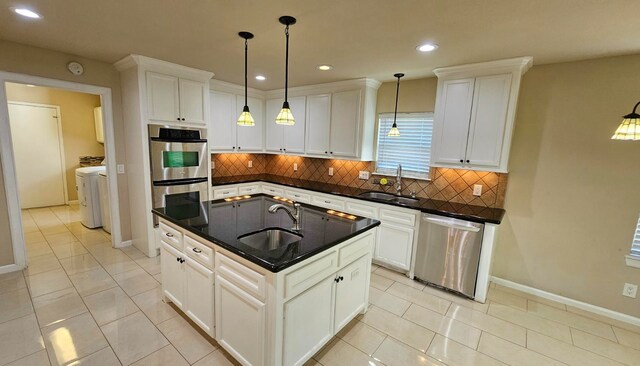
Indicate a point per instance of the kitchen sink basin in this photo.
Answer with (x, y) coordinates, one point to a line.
(269, 239)
(404, 200)
(388, 197)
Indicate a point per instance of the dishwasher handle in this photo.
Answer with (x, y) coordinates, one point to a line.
(451, 223)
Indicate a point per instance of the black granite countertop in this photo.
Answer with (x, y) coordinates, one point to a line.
(450, 209)
(222, 222)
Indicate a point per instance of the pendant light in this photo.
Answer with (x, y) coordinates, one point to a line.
(285, 117)
(629, 129)
(394, 132)
(245, 118)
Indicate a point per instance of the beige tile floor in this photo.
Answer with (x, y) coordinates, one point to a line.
(81, 302)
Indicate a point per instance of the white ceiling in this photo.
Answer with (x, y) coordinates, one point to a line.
(360, 38)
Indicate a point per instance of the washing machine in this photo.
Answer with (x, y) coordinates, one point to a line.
(87, 185)
(105, 207)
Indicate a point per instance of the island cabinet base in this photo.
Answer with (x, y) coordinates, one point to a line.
(264, 318)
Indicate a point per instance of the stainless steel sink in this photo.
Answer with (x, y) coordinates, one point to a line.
(378, 196)
(269, 239)
(404, 200)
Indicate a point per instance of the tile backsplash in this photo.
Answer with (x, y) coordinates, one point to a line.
(452, 185)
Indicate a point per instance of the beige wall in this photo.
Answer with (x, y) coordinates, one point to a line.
(24, 59)
(78, 128)
(418, 95)
(6, 250)
(573, 197)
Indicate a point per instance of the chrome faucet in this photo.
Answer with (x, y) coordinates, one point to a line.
(399, 180)
(295, 216)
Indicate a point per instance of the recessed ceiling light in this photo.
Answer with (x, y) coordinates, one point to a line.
(260, 77)
(27, 13)
(427, 47)
(325, 67)
(31, 86)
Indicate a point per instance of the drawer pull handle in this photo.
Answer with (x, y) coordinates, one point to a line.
(225, 192)
(296, 195)
(196, 250)
(327, 201)
(169, 235)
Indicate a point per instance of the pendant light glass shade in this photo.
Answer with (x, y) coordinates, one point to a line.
(285, 117)
(629, 129)
(245, 118)
(394, 132)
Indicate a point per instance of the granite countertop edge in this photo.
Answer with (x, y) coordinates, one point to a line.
(486, 215)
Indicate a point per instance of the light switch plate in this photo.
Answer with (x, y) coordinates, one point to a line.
(331, 172)
(120, 168)
(363, 174)
(477, 189)
(295, 167)
(630, 290)
(250, 164)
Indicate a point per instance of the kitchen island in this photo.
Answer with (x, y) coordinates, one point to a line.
(268, 294)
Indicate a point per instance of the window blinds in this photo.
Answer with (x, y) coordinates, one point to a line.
(412, 148)
(635, 244)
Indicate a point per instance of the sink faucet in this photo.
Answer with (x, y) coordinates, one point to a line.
(399, 180)
(295, 216)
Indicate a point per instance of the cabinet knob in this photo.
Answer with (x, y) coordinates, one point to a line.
(280, 149)
(468, 161)
(326, 152)
(183, 119)
(337, 279)
(178, 118)
(285, 150)
(238, 147)
(331, 152)
(234, 147)
(462, 161)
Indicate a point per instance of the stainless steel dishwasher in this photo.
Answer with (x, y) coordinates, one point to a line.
(448, 253)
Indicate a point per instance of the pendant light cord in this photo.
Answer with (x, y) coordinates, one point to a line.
(395, 113)
(246, 51)
(286, 65)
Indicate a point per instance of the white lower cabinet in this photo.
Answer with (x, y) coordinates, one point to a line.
(241, 323)
(173, 274)
(394, 245)
(199, 300)
(351, 291)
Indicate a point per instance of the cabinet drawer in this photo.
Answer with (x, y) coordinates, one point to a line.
(298, 196)
(247, 279)
(273, 190)
(198, 251)
(327, 202)
(402, 218)
(360, 209)
(252, 189)
(355, 250)
(304, 277)
(170, 236)
(225, 192)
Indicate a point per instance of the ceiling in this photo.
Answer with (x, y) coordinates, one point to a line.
(360, 38)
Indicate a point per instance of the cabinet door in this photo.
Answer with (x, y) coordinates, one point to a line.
(240, 323)
(294, 135)
(199, 299)
(308, 323)
(250, 137)
(318, 124)
(451, 125)
(488, 120)
(192, 100)
(345, 123)
(351, 292)
(173, 274)
(394, 244)
(274, 140)
(163, 101)
(222, 125)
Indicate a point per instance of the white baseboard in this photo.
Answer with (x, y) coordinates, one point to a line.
(74, 202)
(124, 243)
(10, 268)
(567, 301)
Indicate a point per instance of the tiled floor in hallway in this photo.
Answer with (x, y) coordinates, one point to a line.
(82, 301)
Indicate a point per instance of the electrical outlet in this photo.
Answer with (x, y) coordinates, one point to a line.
(630, 290)
(477, 189)
(250, 164)
(295, 167)
(331, 172)
(120, 168)
(363, 174)
(213, 165)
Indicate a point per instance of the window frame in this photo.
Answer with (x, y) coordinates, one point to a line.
(633, 258)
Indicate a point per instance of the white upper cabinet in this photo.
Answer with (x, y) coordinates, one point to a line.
(286, 139)
(173, 99)
(222, 128)
(250, 138)
(318, 124)
(475, 114)
(345, 124)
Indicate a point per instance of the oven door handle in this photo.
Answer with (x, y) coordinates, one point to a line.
(158, 139)
(179, 182)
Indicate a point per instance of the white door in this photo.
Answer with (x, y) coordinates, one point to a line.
(488, 120)
(173, 274)
(163, 101)
(222, 129)
(394, 244)
(250, 137)
(318, 124)
(37, 150)
(345, 118)
(274, 140)
(308, 323)
(199, 299)
(294, 135)
(451, 126)
(192, 94)
(351, 292)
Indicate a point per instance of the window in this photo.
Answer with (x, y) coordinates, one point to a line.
(635, 244)
(412, 148)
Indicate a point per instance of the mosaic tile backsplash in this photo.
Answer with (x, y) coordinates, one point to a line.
(452, 185)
